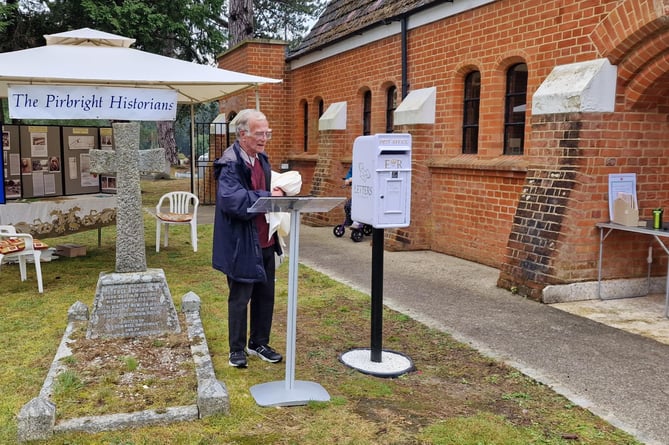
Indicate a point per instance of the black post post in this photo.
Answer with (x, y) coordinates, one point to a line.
(377, 295)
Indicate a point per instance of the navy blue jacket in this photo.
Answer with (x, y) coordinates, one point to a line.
(236, 249)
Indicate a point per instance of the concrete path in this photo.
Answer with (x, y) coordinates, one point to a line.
(620, 376)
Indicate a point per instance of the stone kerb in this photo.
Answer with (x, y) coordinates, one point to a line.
(37, 418)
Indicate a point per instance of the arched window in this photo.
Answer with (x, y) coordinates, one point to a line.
(305, 125)
(391, 104)
(514, 110)
(367, 113)
(320, 108)
(470, 120)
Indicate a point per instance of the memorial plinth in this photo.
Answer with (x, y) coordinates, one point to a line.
(132, 305)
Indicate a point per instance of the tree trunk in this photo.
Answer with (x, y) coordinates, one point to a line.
(167, 141)
(240, 21)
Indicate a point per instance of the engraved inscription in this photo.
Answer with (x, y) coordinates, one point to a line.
(132, 309)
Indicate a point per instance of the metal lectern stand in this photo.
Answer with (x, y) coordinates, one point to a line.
(291, 392)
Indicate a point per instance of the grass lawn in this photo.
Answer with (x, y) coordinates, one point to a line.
(455, 396)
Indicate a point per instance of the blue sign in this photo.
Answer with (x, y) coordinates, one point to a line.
(91, 102)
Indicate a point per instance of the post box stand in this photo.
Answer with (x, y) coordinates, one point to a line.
(381, 197)
(291, 392)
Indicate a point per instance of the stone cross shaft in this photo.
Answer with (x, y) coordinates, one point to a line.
(127, 161)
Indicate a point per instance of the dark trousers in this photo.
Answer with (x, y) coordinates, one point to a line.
(261, 297)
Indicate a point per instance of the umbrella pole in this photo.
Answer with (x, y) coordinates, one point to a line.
(192, 148)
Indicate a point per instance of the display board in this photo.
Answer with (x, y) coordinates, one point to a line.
(77, 141)
(41, 169)
(51, 161)
(107, 180)
(11, 160)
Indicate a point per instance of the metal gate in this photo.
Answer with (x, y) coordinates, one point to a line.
(211, 139)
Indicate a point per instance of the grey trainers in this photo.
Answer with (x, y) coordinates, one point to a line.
(264, 352)
(237, 359)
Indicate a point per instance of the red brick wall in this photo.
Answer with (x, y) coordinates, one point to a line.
(533, 215)
(263, 58)
(553, 239)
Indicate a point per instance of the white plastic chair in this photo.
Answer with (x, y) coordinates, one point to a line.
(182, 210)
(29, 250)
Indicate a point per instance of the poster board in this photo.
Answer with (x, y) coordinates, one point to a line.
(107, 180)
(41, 163)
(77, 142)
(11, 162)
(622, 185)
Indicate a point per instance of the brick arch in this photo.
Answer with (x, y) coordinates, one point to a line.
(362, 90)
(645, 53)
(651, 83)
(459, 75)
(628, 24)
(505, 61)
(466, 68)
(635, 36)
(314, 103)
(385, 85)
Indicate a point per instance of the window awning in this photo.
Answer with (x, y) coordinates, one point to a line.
(578, 87)
(334, 117)
(417, 108)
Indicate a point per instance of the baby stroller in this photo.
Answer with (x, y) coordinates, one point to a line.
(358, 230)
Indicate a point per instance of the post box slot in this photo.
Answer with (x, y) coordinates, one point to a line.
(393, 152)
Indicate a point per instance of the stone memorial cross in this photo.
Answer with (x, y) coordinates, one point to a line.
(133, 301)
(127, 161)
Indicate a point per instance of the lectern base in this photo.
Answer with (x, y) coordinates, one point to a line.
(276, 393)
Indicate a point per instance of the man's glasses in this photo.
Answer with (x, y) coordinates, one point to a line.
(263, 134)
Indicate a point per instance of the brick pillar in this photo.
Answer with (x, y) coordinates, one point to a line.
(547, 196)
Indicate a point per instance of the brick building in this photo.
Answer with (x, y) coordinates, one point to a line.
(518, 110)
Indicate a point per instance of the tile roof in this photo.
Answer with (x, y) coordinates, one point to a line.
(342, 18)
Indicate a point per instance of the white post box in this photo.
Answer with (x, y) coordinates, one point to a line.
(381, 187)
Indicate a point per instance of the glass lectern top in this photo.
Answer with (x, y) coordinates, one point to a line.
(295, 203)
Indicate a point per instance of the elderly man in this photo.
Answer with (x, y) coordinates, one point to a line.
(243, 249)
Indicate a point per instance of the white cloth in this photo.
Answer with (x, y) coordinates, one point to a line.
(57, 216)
(291, 183)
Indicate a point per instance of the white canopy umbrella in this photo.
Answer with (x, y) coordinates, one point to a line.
(87, 57)
(91, 58)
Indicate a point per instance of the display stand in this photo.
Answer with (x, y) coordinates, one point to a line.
(605, 230)
(291, 392)
(376, 361)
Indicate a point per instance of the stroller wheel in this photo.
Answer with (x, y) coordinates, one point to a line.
(367, 229)
(339, 230)
(356, 235)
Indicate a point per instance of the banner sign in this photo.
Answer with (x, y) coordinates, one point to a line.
(91, 102)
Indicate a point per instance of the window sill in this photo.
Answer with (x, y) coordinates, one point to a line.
(472, 162)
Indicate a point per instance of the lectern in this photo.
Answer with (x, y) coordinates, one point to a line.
(291, 392)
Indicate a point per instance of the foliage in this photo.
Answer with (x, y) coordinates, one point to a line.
(185, 29)
(287, 20)
(204, 113)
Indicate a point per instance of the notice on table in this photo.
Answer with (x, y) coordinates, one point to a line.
(622, 185)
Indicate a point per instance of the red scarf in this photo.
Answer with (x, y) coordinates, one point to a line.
(258, 183)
